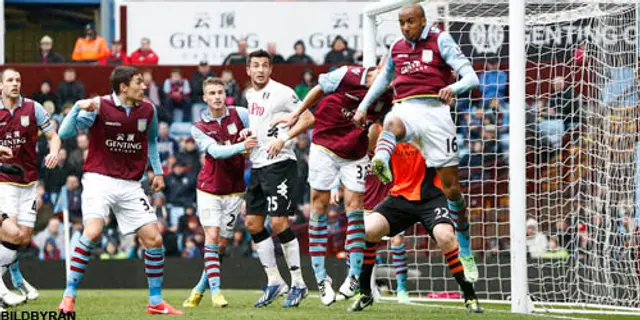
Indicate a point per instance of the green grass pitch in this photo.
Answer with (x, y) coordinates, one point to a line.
(131, 304)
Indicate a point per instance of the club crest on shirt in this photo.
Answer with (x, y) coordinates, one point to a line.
(427, 56)
(142, 125)
(24, 121)
(232, 129)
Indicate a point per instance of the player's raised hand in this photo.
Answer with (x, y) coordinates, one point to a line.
(359, 118)
(157, 184)
(250, 143)
(51, 160)
(274, 148)
(5, 153)
(244, 133)
(446, 95)
(87, 105)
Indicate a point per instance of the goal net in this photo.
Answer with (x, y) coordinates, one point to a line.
(582, 155)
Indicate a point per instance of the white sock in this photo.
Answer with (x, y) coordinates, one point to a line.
(7, 255)
(291, 251)
(3, 287)
(267, 255)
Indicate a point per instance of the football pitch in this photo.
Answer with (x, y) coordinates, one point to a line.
(131, 304)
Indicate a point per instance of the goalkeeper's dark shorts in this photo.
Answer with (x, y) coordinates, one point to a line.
(402, 213)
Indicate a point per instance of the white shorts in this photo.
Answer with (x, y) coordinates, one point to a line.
(219, 211)
(325, 167)
(20, 201)
(428, 123)
(385, 238)
(125, 197)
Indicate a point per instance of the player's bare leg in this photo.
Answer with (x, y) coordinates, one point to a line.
(291, 250)
(318, 238)
(265, 247)
(451, 188)
(151, 239)
(79, 260)
(14, 268)
(399, 261)
(376, 227)
(393, 130)
(446, 239)
(355, 242)
(11, 236)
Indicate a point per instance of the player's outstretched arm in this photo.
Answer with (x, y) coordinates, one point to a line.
(217, 151)
(454, 57)
(306, 120)
(44, 122)
(81, 117)
(380, 85)
(313, 96)
(153, 156)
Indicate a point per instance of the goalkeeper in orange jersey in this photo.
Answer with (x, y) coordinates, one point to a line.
(416, 196)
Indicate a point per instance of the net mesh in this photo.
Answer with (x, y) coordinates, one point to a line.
(581, 147)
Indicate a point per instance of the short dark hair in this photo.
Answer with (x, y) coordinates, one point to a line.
(122, 74)
(260, 53)
(212, 81)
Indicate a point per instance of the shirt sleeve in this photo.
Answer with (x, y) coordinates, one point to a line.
(211, 147)
(77, 120)
(42, 118)
(451, 53)
(153, 154)
(330, 81)
(243, 113)
(381, 83)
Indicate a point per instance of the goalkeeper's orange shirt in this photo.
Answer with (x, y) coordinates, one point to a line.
(412, 179)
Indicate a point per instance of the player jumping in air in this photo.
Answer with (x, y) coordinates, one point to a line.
(422, 63)
(416, 196)
(21, 120)
(339, 150)
(123, 128)
(220, 182)
(273, 176)
(375, 192)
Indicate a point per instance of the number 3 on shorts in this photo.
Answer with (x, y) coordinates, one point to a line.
(145, 204)
(272, 203)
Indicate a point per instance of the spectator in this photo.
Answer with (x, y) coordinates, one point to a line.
(302, 154)
(70, 90)
(190, 156)
(116, 57)
(79, 154)
(70, 199)
(239, 57)
(45, 94)
(563, 102)
(240, 246)
(47, 55)
(112, 252)
(154, 94)
(308, 82)
(179, 190)
(579, 54)
(340, 52)
(493, 82)
(51, 232)
(177, 91)
(144, 55)
(50, 251)
(56, 178)
(166, 144)
(537, 242)
(231, 87)
(161, 210)
(273, 52)
(203, 72)
(191, 251)
(91, 47)
(300, 56)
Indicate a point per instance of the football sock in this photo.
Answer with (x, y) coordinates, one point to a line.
(79, 260)
(318, 237)
(267, 256)
(291, 250)
(399, 257)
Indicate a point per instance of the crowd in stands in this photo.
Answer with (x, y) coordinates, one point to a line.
(483, 140)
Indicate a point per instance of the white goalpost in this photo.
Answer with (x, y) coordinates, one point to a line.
(549, 147)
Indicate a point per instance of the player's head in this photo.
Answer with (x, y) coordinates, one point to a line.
(128, 81)
(11, 83)
(412, 21)
(259, 68)
(214, 93)
(372, 73)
